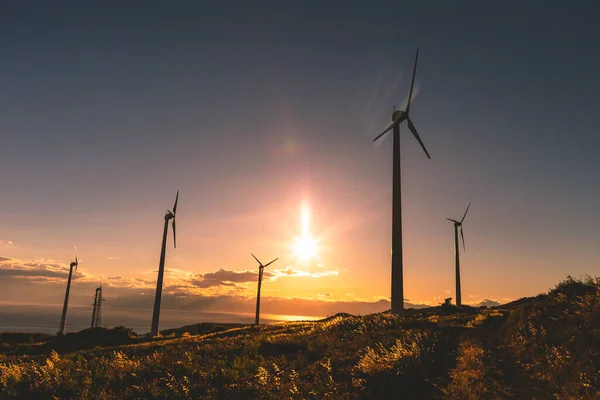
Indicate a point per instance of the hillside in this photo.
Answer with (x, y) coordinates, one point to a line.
(541, 347)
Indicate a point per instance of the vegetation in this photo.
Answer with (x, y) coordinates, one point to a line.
(200, 329)
(38, 343)
(542, 347)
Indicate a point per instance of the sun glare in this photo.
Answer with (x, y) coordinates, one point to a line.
(306, 245)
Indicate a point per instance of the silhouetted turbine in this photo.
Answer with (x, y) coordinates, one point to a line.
(161, 267)
(261, 267)
(63, 318)
(97, 311)
(397, 267)
(457, 225)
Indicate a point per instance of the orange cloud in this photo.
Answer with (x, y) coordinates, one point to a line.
(291, 271)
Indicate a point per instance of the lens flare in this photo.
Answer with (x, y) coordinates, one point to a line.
(305, 245)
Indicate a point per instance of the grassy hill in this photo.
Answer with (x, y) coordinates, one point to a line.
(542, 347)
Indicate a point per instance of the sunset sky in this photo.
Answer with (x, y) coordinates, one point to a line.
(263, 112)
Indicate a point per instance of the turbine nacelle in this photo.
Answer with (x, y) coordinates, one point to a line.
(399, 116)
(260, 265)
(456, 223)
(459, 224)
(76, 262)
(171, 215)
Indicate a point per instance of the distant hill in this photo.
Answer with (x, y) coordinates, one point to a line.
(540, 347)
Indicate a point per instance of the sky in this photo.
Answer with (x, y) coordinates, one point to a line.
(262, 115)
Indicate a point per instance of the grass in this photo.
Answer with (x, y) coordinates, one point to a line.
(542, 347)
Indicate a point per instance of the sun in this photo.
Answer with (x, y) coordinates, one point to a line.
(305, 246)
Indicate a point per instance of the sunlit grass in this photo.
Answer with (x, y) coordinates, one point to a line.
(545, 347)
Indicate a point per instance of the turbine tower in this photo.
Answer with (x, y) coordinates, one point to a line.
(97, 312)
(397, 266)
(161, 267)
(457, 225)
(63, 318)
(261, 268)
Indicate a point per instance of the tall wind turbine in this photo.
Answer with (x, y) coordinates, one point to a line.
(161, 267)
(261, 267)
(457, 225)
(63, 318)
(397, 267)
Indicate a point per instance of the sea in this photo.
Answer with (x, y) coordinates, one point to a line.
(46, 318)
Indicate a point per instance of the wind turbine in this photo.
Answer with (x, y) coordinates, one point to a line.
(161, 267)
(97, 311)
(63, 318)
(457, 225)
(261, 267)
(397, 267)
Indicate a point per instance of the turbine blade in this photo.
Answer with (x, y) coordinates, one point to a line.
(257, 260)
(389, 128)
(463, 238)
(412, 128)
(452, 220)
(175, 206)
(413, 82)
(463, 218)
(271, 262)
(174, 235)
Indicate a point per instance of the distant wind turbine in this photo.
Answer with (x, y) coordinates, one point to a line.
(397, 267)
(63, 318)
(261, 267)
(161, 267)
(97, 311)
(457, 225)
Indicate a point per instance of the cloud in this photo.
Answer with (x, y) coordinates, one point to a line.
(180, 283)
(219, 291)
(226, 278)
(36, 271)
(33, 272)
(128, 282)
(114, 258)
(40, 271)
(6, 242)
(291, 271)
